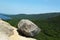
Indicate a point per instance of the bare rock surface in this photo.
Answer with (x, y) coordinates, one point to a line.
(8, 32)
(28, 28)
(6, 28)
(16, 36)
(3, 36)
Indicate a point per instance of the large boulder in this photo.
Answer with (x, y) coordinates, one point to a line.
(28, 28)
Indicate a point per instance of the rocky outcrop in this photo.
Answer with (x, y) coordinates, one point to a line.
(28, 28)
(8, 32)
(6, 28)
(16, 36)
(3, 36)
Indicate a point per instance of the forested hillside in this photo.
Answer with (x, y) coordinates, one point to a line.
(50, 26)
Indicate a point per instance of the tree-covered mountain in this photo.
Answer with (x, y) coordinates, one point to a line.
(31, 16)
(50, 28)
(35, 16)
(49, 24)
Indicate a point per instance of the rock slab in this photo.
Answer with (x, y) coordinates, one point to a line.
(6, 28)
(28, 28)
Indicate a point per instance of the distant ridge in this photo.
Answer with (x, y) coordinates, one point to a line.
(35, 16)
(4, 16)
(30, 16)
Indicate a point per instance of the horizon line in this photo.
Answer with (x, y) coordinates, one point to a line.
(29, 14)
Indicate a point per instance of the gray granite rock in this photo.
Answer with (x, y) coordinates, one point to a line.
(28, 28)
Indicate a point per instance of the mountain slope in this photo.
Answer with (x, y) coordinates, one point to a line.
(50, 26)
(34, 16)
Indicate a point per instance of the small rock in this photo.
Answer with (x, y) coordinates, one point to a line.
(28, 28)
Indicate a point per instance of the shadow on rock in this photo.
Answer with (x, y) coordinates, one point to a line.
(22, 34)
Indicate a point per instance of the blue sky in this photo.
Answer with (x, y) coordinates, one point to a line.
(29, 6)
